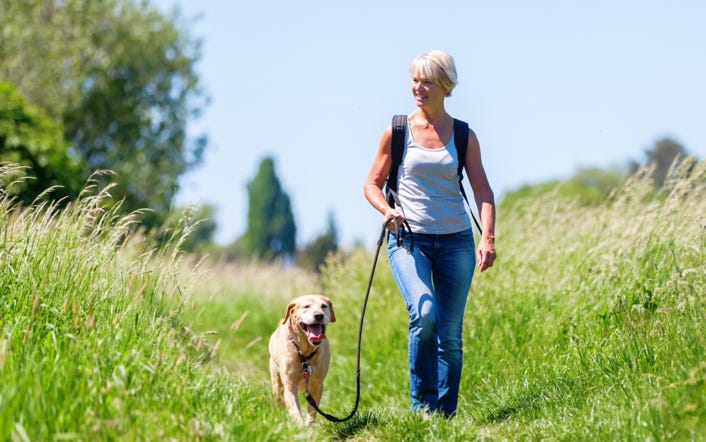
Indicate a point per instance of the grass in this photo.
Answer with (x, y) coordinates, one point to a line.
(589, 327)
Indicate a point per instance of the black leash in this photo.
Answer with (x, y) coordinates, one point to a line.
(310, 399)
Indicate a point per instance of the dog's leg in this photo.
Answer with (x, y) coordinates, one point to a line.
(277, 387)
(291, 401)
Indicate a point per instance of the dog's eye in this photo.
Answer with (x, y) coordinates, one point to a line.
(324, 306)
(307, 306)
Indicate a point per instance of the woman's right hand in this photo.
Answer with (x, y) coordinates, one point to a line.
(393, 219)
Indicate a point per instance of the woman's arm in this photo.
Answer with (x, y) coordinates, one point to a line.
(377, 177)
(485, 201)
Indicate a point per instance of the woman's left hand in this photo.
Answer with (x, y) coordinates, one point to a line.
(486, 253)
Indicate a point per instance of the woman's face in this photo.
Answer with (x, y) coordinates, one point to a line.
(424, 91)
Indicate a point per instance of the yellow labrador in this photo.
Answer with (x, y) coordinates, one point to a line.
(300, 354)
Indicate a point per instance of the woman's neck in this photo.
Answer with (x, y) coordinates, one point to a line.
(431, 115)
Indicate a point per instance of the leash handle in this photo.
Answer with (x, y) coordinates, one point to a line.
(310, 399)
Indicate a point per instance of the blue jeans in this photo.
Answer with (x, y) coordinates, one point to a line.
(434, 280)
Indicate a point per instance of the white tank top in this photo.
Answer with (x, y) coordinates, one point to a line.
(428, 189)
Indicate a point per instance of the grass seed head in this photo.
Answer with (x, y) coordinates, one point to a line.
(36, 305)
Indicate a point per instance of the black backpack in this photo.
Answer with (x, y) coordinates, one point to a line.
(399, 129)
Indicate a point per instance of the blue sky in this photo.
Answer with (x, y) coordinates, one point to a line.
(548, 86)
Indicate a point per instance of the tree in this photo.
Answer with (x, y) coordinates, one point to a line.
(314, 254)
(271, 231)
(120, 78)
(29, 138)
(662, 155)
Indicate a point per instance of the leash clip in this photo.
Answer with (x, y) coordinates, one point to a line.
(400, 236)
(308, 369)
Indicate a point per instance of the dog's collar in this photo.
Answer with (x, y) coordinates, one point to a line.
(304, 359)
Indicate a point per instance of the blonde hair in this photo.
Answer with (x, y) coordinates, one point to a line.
(437, 67)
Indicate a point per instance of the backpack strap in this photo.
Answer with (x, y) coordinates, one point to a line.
(461, 141)
(399, 131)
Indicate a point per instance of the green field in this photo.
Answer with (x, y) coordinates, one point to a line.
(591, 326)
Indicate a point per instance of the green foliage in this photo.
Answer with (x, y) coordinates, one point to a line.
(516, 200)
(120, 78)
(30, 138)
(314, 254)
(590, 185)
(271, 231)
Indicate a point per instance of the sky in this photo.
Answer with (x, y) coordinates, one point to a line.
(549, 87)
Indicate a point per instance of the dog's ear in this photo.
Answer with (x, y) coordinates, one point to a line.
(332, 316)
(290, 309)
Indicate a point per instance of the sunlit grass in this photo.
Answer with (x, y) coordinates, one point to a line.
(589, 327)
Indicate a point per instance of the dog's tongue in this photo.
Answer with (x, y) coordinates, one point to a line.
(315, 333)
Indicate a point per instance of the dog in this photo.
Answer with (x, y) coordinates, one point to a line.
(300, 353)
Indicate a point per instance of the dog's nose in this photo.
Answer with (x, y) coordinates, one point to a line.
(319, 316)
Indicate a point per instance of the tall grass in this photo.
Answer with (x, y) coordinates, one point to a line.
(593, 325)
(589, 327)
(91, 342)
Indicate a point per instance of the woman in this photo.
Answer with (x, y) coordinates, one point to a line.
(434, 276)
